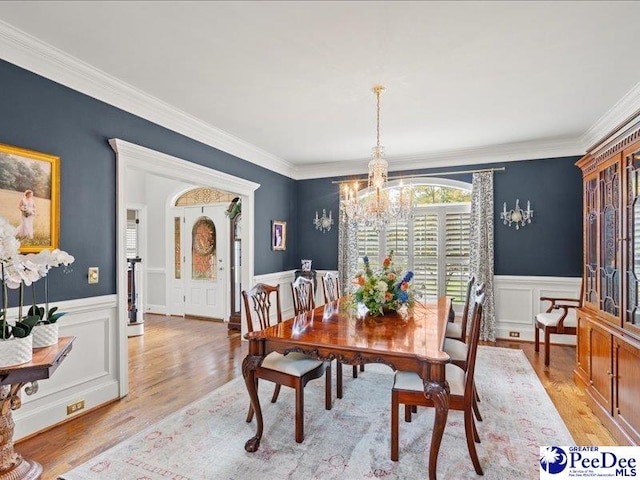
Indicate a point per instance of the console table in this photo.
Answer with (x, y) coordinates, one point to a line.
(45, 361)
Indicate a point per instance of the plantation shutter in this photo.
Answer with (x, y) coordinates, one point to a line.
(368, 244)
(457, 228)
(425, 254)
(132, 239)
(397, 239)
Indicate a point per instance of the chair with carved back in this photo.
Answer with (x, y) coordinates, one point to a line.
(458, 350)
(408, 389)
(293, 370)
(458, 329)
(302, 293)
(331, 291)
(330, 287)
(559, 319)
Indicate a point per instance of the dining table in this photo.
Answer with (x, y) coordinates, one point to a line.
(411, 341)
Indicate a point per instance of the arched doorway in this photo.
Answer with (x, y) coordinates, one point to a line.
(201, 266)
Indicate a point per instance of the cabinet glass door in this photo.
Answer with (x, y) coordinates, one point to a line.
(609, 236)
(632, 266)
(591, 240)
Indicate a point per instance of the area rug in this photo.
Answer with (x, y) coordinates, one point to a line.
(206, 439)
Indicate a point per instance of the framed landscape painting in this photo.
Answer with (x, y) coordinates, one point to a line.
(29, 196)
(278, 235)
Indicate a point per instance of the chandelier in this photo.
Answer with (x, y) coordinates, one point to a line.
(378, 203)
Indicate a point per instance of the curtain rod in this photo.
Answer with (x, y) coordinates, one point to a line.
(421, 175)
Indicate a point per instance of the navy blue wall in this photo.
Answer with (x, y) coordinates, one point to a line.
(41, 115)
(550, 246)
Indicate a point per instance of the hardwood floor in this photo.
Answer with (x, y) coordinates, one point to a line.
(164, 379)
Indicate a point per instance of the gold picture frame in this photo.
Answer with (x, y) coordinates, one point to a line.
(30, 196)
(278, 235)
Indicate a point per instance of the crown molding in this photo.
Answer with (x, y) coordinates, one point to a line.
(26, 51)
(510, 152)
(624, 109)
(30, 53)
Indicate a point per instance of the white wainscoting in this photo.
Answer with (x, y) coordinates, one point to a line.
(155, 291)
(89, 373)
(518, 302)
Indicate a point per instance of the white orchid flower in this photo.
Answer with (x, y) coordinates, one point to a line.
(12, 276)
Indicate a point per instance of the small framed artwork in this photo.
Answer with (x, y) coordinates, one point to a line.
(278, 235)
(29, 196)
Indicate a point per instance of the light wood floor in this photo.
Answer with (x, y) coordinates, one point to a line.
(163, 379)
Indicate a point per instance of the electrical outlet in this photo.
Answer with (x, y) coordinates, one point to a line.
(74, 407)
(93, 275)
(514, 334)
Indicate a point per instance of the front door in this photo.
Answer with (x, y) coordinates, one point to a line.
(206, 235)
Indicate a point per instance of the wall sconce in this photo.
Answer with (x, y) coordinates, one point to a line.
(323, 223)
(517, 215)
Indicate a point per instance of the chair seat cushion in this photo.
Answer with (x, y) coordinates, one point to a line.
(454, 330)
(456, 349)
(412, 382)
(296, 364)
(551, 319)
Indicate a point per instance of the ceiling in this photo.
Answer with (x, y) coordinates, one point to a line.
(288, 84)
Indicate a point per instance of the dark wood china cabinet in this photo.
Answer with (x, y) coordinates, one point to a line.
(608, 348)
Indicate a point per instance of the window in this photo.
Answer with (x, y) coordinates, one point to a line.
(434, 244)
(132, 234)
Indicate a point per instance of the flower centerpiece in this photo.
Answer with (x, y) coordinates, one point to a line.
(384, 290)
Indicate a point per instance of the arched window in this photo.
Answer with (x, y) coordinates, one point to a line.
(434, 243)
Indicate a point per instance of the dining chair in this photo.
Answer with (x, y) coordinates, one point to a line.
(302, 293)
(293, 370)
(408, 389)
(458, 351)
(458, 330)
(330, 287)
(331, 292)
(559, 319)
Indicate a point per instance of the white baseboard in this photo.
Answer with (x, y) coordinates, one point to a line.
(157, 309)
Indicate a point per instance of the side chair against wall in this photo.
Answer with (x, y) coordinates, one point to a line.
(458, 330)
(331, 292)
(293, 370)
(302, 294)
(408, 390)
(560, 319)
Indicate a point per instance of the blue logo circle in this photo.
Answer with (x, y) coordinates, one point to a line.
(553, 460)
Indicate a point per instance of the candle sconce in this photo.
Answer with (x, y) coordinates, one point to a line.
(516, 215)
(323, 223)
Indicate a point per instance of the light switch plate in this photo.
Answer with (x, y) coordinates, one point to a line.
(93, 275)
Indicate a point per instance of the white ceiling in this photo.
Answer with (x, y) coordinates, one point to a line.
(288, 83)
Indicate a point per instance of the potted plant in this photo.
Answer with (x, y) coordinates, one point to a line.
(15, 339)
(45, 331)
(20, 271)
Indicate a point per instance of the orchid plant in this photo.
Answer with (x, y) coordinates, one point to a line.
(20, 271)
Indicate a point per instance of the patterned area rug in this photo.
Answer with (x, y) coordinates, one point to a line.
(206, 439)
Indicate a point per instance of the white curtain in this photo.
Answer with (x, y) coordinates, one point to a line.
(347, 252)
(481, 240)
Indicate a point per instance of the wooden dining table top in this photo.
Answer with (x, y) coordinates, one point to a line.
(338, 325)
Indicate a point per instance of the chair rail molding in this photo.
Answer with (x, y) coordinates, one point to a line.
(518, 302)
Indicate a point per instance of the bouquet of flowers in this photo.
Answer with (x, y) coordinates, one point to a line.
(384, 289)
(27, 211)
